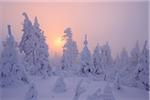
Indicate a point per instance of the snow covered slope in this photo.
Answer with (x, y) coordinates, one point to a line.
(45, 90)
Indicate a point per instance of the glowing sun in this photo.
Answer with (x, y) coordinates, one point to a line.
(58, 42)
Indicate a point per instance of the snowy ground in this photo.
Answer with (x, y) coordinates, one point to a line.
(45, 90)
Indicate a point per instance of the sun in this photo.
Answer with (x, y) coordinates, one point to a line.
(58, 42)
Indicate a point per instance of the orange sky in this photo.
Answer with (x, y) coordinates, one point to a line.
(119, 23)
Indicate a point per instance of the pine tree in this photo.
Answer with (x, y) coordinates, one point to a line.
(35, 48)
(132, 69)
(142, 71)
(117, 62)
(122, 68)
(86, 60)
(12, 69)
(31, 93)
(79, 90)
(96, 95)
(135, 57)
(117, 82)
(60, 86)
(124, 59)
(97, 61)
(107, 93)
(107, 61)
(70, 52)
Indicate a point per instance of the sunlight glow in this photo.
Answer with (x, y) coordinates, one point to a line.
(58, 43)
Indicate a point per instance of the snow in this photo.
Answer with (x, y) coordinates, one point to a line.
(97, 61)
(60, 86)
(31, 93)
(81, 75)
(45, 90)
(33, 44)
(11, 67)
(79, 90)
(86, 59)
(70, 52)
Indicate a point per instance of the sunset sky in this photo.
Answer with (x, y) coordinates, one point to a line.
(119, 23)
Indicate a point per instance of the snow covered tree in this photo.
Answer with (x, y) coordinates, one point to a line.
(70, 52)
(132, 68)
(106, 61)
(79, 90)
(31, 93)
(117, 82)
(11, 68)
(107, 93)
(142, 71)
(97, 61)
(144, 68)
(124, 59)
(135, 57)
(60, 86)
(35, 48)
(122, 68)
(96, 95)
(86, 60)
(117, 62)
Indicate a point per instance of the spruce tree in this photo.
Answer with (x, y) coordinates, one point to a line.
(117, 82)
(135, 57)
(107, 93)
(11, 67)
(60, 86)
(122, 69)
(79, 90)
(107, 61)
(142, 72)
(34, 46)
(70, 52)
(86, 60)
(32, 93)
(97, 61)
(132, 69)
